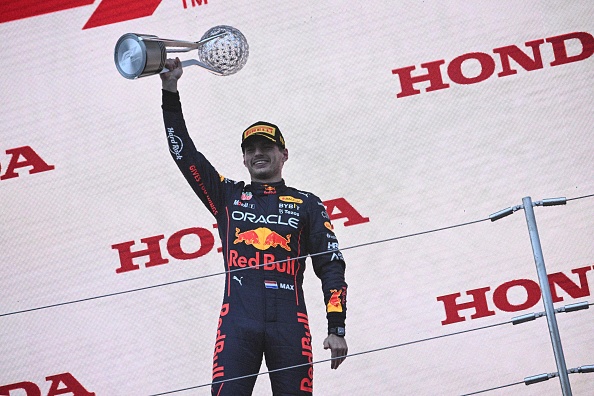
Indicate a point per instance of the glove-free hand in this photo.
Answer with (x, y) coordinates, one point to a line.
(338, 347)
(169, 79)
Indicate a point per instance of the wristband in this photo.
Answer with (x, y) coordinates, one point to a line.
(339, 331)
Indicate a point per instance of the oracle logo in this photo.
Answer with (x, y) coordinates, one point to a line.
(500, 298)
(22, 157)
(486, 63)
(71, 386)
(107, 12)
(153, 255)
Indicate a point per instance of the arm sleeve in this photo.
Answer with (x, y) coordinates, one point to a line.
(198, 171)
(330, 266)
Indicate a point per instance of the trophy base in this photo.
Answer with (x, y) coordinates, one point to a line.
(135, 57)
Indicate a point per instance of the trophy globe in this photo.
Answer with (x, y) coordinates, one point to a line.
(226, 53)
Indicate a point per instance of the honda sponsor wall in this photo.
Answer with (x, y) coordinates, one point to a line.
(404, 117)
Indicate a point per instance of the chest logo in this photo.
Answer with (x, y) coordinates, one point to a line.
(269, 190)
(262, 238)
(262, 219)
(288, 198)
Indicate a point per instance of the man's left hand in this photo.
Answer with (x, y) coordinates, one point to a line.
(338, 347)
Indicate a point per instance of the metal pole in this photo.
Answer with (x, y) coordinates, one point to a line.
(546, 297)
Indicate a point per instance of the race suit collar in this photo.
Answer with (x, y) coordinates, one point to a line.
(268, 188)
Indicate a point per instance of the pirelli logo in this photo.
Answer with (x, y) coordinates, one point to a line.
(259, 129)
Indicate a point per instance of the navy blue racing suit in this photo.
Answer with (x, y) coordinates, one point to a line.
(267, 230)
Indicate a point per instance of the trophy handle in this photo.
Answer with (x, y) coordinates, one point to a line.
(196, 62)
(173, 46)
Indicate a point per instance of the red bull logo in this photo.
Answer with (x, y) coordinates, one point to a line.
(306, 350)
(262, 238)
(335, 303)
(217, 370)
(269, 190)
(265, 261)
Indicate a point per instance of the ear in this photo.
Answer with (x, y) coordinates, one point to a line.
(285, 155)
(244, 160)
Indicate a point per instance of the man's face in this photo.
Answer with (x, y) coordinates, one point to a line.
(264, 159)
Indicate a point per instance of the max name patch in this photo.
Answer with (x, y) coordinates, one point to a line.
(274, 285)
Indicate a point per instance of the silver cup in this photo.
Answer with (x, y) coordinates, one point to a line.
(223, 50)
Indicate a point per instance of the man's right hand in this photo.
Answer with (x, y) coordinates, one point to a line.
(169, 79)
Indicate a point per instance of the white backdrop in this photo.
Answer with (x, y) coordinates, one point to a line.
(322, 71)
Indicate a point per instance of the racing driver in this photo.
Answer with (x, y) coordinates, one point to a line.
(267, 229)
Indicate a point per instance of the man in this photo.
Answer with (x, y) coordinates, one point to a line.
(267, 229)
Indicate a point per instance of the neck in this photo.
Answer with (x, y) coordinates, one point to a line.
(267, 181)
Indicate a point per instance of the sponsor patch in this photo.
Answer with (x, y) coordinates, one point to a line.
(262, 238)
(336, 256)
(237, 202)
(288, 198)
(335, 303)
(270, 219)
(259, 129)
(176, 145)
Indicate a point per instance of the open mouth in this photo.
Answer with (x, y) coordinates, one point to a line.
(259, 162)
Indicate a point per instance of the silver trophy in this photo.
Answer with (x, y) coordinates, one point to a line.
(222, 50)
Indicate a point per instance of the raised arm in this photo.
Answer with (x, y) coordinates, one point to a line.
(198, 171)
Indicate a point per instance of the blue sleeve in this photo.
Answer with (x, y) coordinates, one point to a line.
(206, 182)
(330, 266)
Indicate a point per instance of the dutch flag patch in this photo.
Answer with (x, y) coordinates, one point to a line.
(270, 284)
